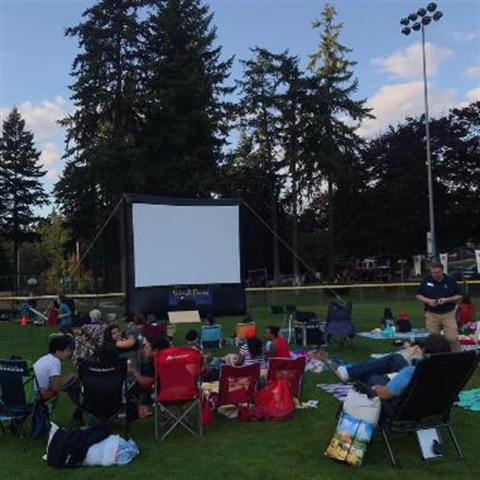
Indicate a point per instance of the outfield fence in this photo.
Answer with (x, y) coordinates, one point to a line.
(263, 297)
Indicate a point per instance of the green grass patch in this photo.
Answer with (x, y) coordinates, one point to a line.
(234, 450)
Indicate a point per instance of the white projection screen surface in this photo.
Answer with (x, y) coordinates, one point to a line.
(185, 244)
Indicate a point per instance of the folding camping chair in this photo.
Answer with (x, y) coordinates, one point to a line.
(289, 370)
(339, 323)
(238, 385)
(17, 396)
(428, 400)
(103, 393)
(178, 390)
(211, 336)
(241, 330)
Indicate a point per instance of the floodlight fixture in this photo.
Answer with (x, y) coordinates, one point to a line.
(431, 7)
(426, 20)
(406, 30)
(437, 15)
(416, 26)
(421, 12)
(404, 21)
(412, 17)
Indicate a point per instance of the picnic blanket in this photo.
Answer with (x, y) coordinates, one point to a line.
(338, 390)
(470, 400)
(415, 333)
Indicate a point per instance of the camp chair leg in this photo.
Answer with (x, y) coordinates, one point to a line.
(156, 421)
(387, 446)
(455, 442)
(200, 420)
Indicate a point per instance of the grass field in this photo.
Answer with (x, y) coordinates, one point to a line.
(234, 450)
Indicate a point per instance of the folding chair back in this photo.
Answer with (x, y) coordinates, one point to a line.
(177, 383)
(17, 394)
(242, 328)
(102, 389)
(211, 336)
(428, 400)
(437, 381)
(238, 384)
(178, 371)
(155, 329)
(289, 370)
(16, 384)
(339, 322)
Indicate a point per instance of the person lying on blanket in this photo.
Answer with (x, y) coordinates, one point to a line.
(390, 390)
(387, 364)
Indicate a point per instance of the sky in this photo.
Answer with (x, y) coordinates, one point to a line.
(36, 57)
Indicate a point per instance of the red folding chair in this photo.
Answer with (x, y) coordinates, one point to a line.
(289, 370)
(178, 390)
(238, 385)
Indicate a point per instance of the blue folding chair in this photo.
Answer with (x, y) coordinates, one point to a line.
(211, 336)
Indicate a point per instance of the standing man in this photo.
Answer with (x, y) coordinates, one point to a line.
(439, 293)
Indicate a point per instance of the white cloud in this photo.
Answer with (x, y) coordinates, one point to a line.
(41, 118)
(408, 63)
(463, 37)
(474, 95)
(50, 154)
(393, 103)
(473, 71)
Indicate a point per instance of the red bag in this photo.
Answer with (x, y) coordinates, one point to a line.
(273, 402)
(207, 414)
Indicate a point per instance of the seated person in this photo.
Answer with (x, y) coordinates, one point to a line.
(144, 377)
(390, 363)
(193, 339)
(135, 328)
(390, 390)
(465, 314)
(90, 339)
(278, 347)
(124, 347)
(48, 368)
(252, 352)
(388, 320)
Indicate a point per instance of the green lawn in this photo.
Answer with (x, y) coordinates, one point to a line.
(234, 450)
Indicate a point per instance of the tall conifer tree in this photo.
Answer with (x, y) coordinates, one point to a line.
(21, 189)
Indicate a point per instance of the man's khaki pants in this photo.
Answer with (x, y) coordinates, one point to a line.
(436, 322)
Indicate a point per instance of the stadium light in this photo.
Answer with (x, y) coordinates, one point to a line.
(420, 19)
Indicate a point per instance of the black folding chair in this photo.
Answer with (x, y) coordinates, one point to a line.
(103, 393)
(18, 400)
(428, 400)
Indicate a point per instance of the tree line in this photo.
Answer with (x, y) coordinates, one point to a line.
(156, 112)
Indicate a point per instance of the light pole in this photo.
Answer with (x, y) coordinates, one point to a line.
(418, 21)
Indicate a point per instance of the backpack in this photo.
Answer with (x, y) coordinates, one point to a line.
(68, 447)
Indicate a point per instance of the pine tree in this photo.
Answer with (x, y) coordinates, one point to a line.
(102, 132)
(184, 82)
(259, 115)
(20, 187)
(331, 105)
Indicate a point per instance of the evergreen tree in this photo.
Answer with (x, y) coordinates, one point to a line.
(21, 189)
(101, 141)
(185, 114)
(259, 115)
(334, 115)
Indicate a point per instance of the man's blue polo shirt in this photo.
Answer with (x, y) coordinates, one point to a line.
(429, 288)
